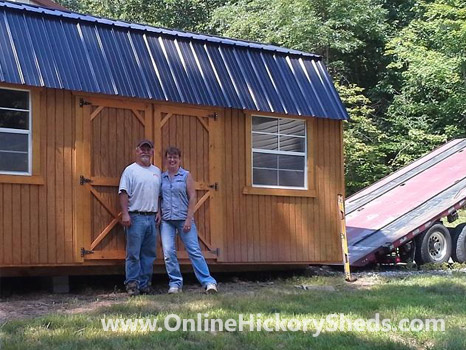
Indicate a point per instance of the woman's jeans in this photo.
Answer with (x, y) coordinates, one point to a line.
(141, 240)
(191, 244)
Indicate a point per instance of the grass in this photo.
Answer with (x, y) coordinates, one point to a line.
(395, 298)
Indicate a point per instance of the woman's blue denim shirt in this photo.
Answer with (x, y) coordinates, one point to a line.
(174, 196)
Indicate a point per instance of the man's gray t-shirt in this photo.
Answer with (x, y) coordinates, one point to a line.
(142, 184)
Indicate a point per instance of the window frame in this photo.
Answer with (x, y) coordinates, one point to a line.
(309, 189)
(21, 132)
(33, 175)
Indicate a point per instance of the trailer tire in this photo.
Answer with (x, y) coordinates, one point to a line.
(458, 252)
(433, 245)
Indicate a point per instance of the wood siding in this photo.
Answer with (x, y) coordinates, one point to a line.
(36, 220)
(271, 229)
(39, 215)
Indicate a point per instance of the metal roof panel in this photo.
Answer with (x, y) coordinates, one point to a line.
(238, 80)
(209, 75)
(175, 62)
(146, 67)
(61, 49)
(11, 71)
(334, 98)
(71, 56)
(282, 87)
(223, 76)
(114, 52)
(25, 59)
(162, 67)
(195, 73)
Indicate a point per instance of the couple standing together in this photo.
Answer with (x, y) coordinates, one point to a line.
(147, 197)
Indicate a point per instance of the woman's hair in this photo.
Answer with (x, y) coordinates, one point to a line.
(172, 151)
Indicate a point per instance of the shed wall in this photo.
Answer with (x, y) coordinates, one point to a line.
(266, 228)
(36, 219)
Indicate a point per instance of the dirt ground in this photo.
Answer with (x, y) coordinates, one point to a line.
(39, 302)
(29, 299)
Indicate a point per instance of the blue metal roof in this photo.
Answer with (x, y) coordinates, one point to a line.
(66, 50)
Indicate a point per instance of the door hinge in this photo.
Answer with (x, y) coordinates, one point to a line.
(83, 180)
(214, 186)
(86, 252)
(83, 102)
(215, 115)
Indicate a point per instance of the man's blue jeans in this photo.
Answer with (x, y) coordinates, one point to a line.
(141, 240)
(191, 243)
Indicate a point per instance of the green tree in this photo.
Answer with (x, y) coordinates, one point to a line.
(427, 80)
(191, 15)
(364, 143)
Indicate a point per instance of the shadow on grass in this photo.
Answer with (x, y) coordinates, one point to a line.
(202, 340)
(438, 299)
(417, 297)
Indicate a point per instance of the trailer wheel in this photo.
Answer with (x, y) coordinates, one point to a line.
(458, 253)
(434, 245)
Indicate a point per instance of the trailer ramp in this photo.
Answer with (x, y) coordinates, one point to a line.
(397, 208)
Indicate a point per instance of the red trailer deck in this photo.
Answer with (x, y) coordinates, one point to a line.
(399, 207)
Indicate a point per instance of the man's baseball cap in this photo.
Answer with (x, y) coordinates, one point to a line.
(145, 142)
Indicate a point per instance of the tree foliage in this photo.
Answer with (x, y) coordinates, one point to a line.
(190, 15)
(427, 80)
(364, 142)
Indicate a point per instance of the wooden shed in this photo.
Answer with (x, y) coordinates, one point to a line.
(260, 128)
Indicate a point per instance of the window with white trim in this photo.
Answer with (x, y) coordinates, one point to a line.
(15, 132)
(279, 153)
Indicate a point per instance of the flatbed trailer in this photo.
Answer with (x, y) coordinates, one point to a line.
(401, 214)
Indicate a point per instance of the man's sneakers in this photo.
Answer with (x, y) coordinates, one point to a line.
(211, 288)
(132, 289)
(174, 290)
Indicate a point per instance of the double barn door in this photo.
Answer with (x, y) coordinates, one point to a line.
(107, 132)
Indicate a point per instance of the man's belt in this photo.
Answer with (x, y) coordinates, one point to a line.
(143, 212)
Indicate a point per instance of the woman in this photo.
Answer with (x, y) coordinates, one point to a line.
(178, 199)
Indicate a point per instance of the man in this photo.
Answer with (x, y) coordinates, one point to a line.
(139, 193)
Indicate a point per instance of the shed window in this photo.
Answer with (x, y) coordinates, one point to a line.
(15, 132)
(279, 152)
